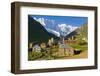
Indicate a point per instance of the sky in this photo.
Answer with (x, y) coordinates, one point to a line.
(69, 20)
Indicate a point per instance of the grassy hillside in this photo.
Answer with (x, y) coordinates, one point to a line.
(83, 31)
(79, 33)
(81, 37)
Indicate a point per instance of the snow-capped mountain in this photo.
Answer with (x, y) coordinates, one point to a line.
(65, 29)
(62, 30)
(40, 20)
(54, 32)
(55, 28)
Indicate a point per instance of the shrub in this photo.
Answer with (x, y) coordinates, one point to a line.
(34, 55)
(82, 43)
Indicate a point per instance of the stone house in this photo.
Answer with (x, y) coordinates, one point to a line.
(51, 41)
(65, 50)
(36, 48)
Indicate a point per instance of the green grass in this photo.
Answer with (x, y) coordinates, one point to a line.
(52, 52)
(49, 55)
(34, 55)
(82, 46)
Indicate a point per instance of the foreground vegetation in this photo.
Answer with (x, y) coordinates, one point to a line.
(46, 54)
(51, 53)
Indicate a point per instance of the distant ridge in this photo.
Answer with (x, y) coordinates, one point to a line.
(81, 32)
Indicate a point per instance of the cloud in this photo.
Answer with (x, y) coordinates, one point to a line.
(40, 20)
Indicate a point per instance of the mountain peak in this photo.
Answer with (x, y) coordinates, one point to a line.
(54, 28)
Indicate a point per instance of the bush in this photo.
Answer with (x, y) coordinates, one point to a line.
(82, 43)
(34, 55)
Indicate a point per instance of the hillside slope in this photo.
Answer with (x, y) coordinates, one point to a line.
(79, 33)
(37, 33)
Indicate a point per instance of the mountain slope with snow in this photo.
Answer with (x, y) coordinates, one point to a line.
(54, 28)
(53, 32)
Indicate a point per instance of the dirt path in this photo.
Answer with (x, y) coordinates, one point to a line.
(81, 55)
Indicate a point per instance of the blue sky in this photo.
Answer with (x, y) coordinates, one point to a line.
(69, 20)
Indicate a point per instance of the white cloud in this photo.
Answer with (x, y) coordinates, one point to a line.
(40, 20)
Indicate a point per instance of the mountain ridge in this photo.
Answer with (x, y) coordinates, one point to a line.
(79, 32)
(37, 33)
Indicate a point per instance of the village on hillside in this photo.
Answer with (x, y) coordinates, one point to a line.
(54, 49)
